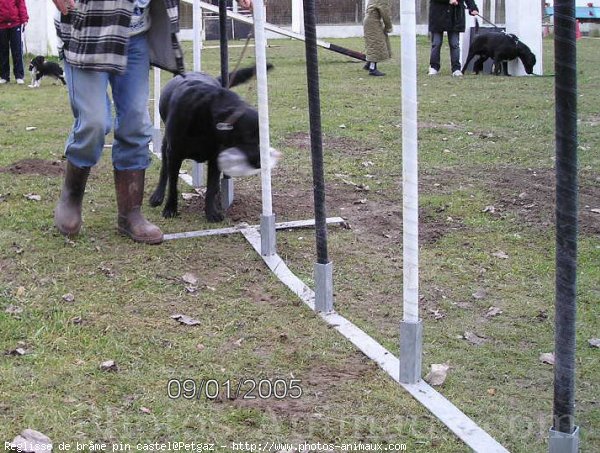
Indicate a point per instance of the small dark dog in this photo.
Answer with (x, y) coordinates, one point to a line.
(41, 68)
(501, 47)
(207, 123)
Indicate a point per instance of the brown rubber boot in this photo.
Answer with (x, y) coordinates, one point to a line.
(129, 185)
(67, 215)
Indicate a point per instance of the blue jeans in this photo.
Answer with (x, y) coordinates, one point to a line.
(436, 47)
(10, 39)
(91, 108)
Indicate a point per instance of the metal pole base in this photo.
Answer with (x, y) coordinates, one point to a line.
(226, 192)
(267, 235)
(562, 442)
(411, 351)
(197, 174)
(324, 287)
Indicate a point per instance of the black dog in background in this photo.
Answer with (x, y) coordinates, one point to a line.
(207, 123)
(501, 47)
(41, 68)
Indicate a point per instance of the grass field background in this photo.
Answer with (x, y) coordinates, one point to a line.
(486, 156)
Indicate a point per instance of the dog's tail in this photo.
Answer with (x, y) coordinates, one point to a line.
(242, 75)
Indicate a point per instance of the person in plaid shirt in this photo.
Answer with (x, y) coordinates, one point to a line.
(113, 43)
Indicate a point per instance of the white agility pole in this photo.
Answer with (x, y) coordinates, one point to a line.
(411, 328)
(156, 134)
(197, 36)
(267, 220)
(197, 168)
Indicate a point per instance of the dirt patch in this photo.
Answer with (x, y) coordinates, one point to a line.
(592, 120)
(348, 146)
(376, 219)
(320, 384)
(533, 198)
(528, 194)
(324, 376)
(35, 167)
(7, 270)
(284, 407)
(257, 294)
(430, 125)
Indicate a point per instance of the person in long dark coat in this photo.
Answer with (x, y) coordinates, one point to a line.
(377, 25)
(447, 16)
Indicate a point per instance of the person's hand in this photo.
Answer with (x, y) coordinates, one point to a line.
(64, 6)
(245, 3)
(474, 13)
(454, 2)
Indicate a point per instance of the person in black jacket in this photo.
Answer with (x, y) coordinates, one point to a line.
(447, 16)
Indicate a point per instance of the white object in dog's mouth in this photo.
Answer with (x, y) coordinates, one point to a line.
(234, 162)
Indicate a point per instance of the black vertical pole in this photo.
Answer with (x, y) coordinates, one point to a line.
(316, 140)
(223, 42)
(224, 72)
(566, 214)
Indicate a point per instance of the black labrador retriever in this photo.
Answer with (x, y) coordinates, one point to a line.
(207, 123)
(501, 47)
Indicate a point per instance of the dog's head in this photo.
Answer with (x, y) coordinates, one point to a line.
(240, 144)
(37, 62)
(527, 57)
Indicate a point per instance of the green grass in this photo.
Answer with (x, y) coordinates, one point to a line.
(484, 141)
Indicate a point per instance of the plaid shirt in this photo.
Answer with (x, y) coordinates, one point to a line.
(95, 34)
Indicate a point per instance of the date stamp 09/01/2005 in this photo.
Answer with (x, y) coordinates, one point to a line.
(243, 388)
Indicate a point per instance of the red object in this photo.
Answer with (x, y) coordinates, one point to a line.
(577, 30)
(13, 13)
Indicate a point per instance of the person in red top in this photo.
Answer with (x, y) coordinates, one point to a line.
(13, 17)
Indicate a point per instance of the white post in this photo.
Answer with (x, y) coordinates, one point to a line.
(411, 326)
(267, 218)
(466, 36)
(156, 134)
(40, 36)
(524, 19)
(297, 17)
(197, 168)
(197, 34)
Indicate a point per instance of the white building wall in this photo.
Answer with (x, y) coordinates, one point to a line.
(40, 35)
(524, 19)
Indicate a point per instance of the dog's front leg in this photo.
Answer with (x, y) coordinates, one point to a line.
(478, 65)
(173, 166)
(212, 207)
(497, 66)
(158, 195)
(469, 58)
